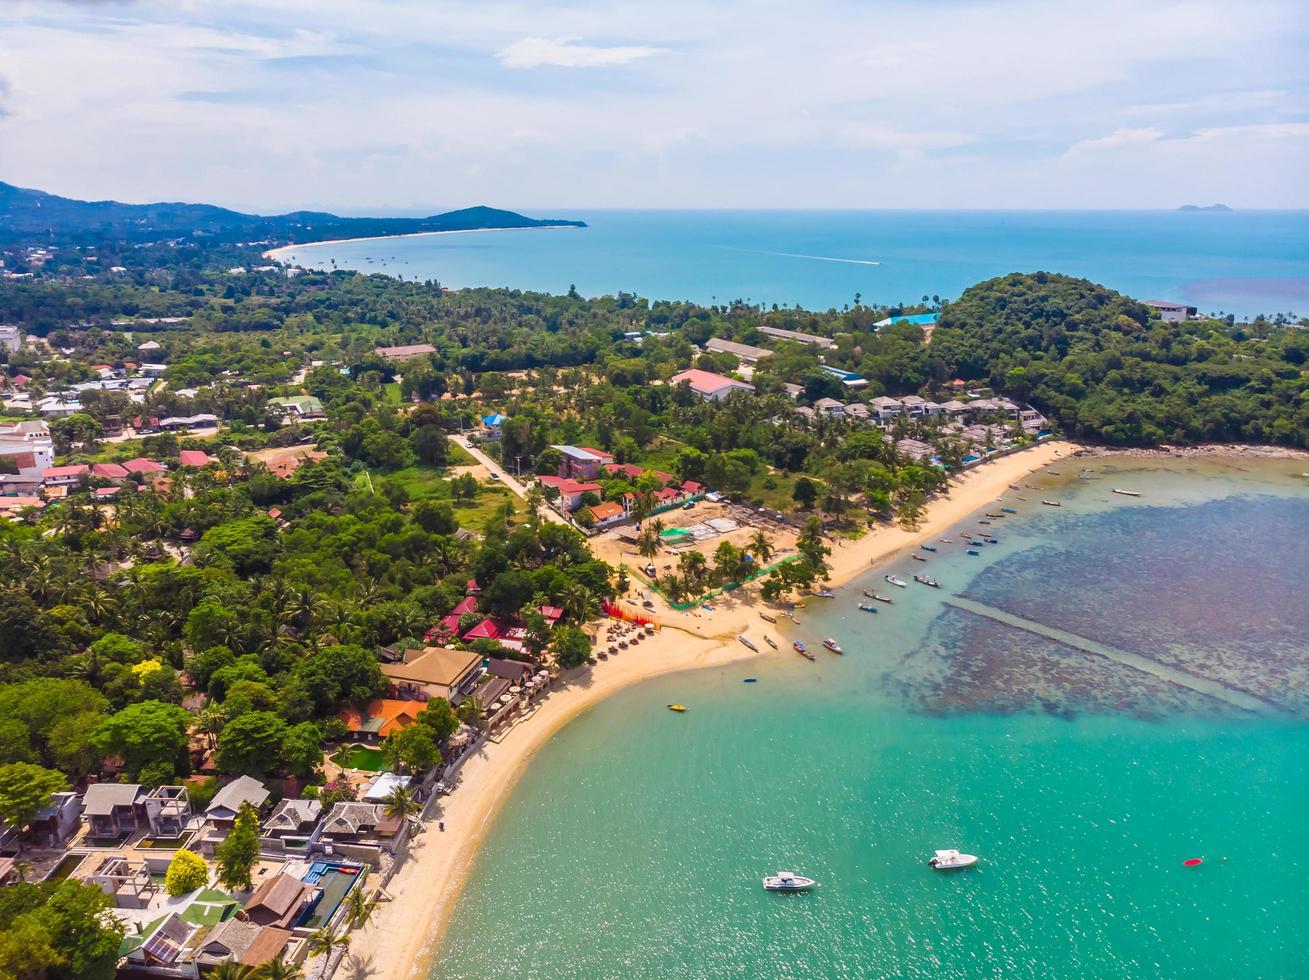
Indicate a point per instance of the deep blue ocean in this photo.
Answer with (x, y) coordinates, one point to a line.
(1231, 262)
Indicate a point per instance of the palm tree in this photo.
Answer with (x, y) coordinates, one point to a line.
(761, 547)
(280, 969)
(576, 601)
(647, 545)
(325, 943)
(232, 970)
(359, 907)
(401, 803)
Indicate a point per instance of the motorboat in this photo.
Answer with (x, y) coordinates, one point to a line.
(787, 881)
(766, 617)
(970, 551)
(832, 645)
(878, 596)
(928, 547)
(1052, 503)
(899, 583)
(770, 641)
(946, 540)
(865, 607)
(749, 680)
(1127, 493)
(951, 860)
(924, 580)
(748, 643)
(1009, 510)
(825, 594)
(679, 708)
(801, 649)
(918, 558)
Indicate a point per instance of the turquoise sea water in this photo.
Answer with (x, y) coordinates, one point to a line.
(635, 844)
(1240, 262)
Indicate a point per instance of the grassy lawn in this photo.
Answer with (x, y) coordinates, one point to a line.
(360, 757)
(459, 456)
(427, 482)
(779, 496)
(391, 393)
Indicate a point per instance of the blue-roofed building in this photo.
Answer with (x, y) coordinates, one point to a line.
(847, 378)
(916, 319)
(494, 421)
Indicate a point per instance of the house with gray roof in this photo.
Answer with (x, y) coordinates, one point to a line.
(222, 810)
(114, 809)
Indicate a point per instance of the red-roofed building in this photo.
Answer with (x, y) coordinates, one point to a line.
(667, 495)
(570, 491)
(690, 486)
(380, 718)
(552, 613)
(472, 588)
(109, 471)
(662, 477)
(64, 476)
(106, 493)
(194, 457)
(709, 386)
(143, 465)
(606, 459)
(628, 471)
(19, 380)
(466, 605)
(488, 629)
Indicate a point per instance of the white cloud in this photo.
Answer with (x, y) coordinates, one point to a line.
(1115, 140)
(535, 52)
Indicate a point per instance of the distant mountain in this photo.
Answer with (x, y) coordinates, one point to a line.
(30, 214)
(1198, 207)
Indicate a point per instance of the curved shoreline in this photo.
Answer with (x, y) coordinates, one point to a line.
(275, 254)
(405, 934)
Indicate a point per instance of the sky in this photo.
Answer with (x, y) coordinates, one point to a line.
(419, 106)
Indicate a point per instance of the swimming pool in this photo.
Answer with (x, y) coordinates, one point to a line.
(333, 882)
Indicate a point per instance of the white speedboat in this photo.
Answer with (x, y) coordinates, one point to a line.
(951, 860)
(786, 881)
(832, 645)
(897, 582)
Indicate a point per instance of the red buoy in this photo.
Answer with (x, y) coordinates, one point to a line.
(1192, 862)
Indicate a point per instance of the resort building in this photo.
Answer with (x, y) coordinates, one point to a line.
(570, 491)
(743, 352)
(914, 319)
(302, 407)
(366, 824)
(10, 338)
(405, 352)
(1171, 312)
(434, 672)
(709, 386)
(278, 901)
(800, 338)
(848, 378)
(580, 463)
(380, 717)
(114, 809)
(223, 808)
(292, 818)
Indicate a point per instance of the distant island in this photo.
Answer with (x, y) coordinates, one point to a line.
(27, 215)
(1200, 207)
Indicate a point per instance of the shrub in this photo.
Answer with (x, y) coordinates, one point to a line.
(186, 872)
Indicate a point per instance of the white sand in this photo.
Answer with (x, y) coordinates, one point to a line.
(406, 932)
(275, 254)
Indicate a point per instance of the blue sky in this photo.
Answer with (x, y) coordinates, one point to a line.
(402, 106)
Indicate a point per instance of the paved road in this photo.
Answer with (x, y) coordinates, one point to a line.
(495, 468)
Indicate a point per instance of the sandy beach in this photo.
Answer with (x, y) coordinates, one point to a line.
(406, 931)
(275, 254)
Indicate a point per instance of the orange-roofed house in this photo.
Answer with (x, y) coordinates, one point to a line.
(380, 718)
(193, 457)
(607, 511)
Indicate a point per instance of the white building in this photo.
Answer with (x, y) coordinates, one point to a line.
(11, 338)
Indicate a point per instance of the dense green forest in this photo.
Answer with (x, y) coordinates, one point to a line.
(1099, 364)
(32, 216)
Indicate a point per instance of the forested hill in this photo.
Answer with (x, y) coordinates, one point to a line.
(35, 216)
(1100, 364)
